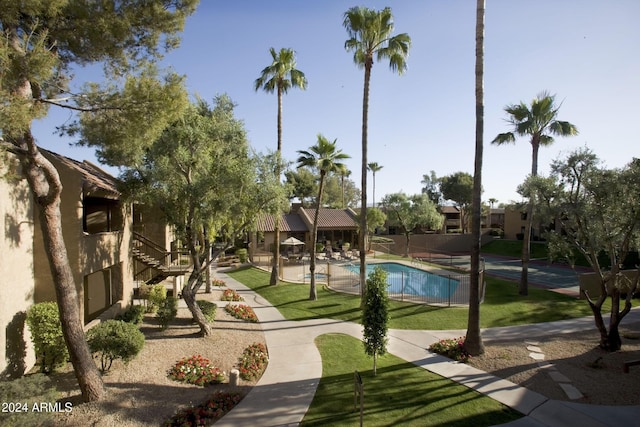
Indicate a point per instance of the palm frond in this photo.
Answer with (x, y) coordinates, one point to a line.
(504, 138)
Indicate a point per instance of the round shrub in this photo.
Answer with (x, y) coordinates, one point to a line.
(43, 320)
(134, 314)
(115, 339)
(167, 311)
(208, 309)
(157, 296)
(242, 255)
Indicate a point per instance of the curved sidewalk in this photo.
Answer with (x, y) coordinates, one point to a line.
(286, 389)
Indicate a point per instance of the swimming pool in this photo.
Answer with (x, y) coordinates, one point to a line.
(407, 280)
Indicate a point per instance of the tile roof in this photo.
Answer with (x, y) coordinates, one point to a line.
(94, 178)
(290, 223)
(328, 219)
(331, 219)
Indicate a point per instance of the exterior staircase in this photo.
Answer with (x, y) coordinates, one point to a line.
(153, 263)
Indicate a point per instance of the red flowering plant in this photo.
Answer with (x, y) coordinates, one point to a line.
(253, 361)
(231, 295)
(207, 412)
(196, 370)
(452, 348)
(241, 311)
(218, 282)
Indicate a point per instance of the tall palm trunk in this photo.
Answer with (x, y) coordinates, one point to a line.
(313, 294)
(45, 184)
(275, 271)
(363, 210)
(473, 341)
(526, 244)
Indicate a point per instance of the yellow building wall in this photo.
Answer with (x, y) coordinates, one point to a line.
(16, 269)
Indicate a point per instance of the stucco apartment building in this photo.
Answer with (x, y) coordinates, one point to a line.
(97, 229)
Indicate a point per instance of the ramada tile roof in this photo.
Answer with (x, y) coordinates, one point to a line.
(290, 223)
(328, 219)
(334, 219)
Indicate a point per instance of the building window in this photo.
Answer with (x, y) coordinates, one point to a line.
(523, 216)
(101, 215)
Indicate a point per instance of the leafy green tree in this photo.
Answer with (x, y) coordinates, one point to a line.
(374, 167)
(473, 340)
(326, 159)
(376, 219)
(432, 187)
(370, 35)
(280, 76)
(539, 123)
(410, 212)
(200, 175)
(597, 209)
(302, 184)
(338, 189)
(42, 41)
(375, 315)
(458, 187)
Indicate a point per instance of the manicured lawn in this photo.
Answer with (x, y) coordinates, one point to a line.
(401, 393)
(502, 306)
(513, 248)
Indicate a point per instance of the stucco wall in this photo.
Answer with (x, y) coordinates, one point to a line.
(16, 270)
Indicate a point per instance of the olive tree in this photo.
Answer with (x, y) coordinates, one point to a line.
(598, 211)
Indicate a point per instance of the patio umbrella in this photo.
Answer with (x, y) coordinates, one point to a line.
(291, 241)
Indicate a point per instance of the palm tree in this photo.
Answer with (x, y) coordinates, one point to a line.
(374, 167)
(326, 159)
(370, 35)
(280, 76)
(473, 340)
(539, 124)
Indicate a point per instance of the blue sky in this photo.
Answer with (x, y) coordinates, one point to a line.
(585, 51)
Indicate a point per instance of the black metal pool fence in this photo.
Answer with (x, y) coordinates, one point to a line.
(430, 287)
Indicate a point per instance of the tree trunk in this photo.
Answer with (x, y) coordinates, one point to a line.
(189, 293)
(46, 187)
(526, 243)
(526, 251)
(473, 341)
(313, 293)
(363, 180)
(275, 273)
(407, 238)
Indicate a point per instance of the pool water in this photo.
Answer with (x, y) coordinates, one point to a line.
(407, 280)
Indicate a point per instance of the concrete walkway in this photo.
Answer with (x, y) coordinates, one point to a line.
(287, 387)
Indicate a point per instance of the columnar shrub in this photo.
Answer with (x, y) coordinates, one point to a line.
(253, 361)
(196, 370)
(43, 320)
(375, 315)
(242, 312)
(167, 311)
(115, 339)
(208, 309)
(205, 413)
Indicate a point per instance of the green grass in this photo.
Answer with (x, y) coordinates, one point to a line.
(513, 248)
(502, 306)
(401, 393)
(29, 390)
